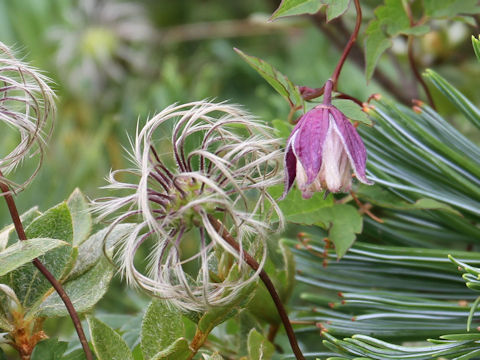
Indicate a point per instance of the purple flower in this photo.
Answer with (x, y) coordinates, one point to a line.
(323, 151)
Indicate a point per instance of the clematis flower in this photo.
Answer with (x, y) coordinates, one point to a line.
(218, 163)
(323, 151)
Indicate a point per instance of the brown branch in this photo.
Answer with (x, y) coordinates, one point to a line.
(218, 226)
(17, 222)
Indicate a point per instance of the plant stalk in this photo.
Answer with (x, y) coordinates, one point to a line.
(17, 222)
(218, 226)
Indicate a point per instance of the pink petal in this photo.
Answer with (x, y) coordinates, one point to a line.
(290, 165)
(353, 144)
(309, 141)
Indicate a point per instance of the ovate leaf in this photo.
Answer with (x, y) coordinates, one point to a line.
(352, 111)
(259, 348)
(376, 44)
(161, 326)
(108, 345)
(81, 219)
(275, 78)
(6, 234)
(179, 350)
(50, 349)
(84, 291)
(336, 8)
(392, 17)
(299, 210)
(23, 252)
(296, 7)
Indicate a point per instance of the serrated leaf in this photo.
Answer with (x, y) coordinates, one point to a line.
(90, 251)
(275, 78)
(259, 348)
(108, 345)
(296, 7)
(179, 350)
(84, 291)
(476, 48)
(336, 8)
(352, 111)
(81, 218)
(343, 222)
(450, 8)
(161, 326)
(23, 252)
(50, 349)
(376, 44)
(27, 282)
(297, 209)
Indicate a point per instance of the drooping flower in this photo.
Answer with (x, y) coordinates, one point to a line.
(323, 151)
(27, 108)
(220, 164)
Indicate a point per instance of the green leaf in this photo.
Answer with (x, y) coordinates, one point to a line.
(259, 348)
(476, 48)
(23, 252)
(84, 291)
(450, 8)
(376, 44)
(392, 17)
(275, 78)
(296, 7)
(108, 345)
(336, 8)
(179, 350)
(283, 128)
(78, 354)
(299, 210)
(161, 326)
(50, 349)
(6, 233)
(343, 222)
(81, 219)
(27, 282)
(352, 111)
(92, 250)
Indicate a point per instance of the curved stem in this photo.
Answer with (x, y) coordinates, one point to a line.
(348, 47)
(12, 208)
(218, 226)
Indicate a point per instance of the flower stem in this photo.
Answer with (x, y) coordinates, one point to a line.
(348, 47)
(17, 222)
(218, 226)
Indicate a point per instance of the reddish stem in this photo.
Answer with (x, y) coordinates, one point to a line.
(17, 222)
(268, 284)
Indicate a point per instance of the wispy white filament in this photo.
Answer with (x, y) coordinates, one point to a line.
(223, 161)
(26, 107)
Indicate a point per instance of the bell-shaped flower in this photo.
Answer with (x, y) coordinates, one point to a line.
(323, 151)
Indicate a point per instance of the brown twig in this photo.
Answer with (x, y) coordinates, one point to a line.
(348, 47)
(17, 222)
(267, 282)
(411, 58)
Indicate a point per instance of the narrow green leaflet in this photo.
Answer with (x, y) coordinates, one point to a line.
(476, 46)
(450, 8)
(108, 345)
(259, 348)
(179, 350)
(28, 283)
(50, 349)
(23, 252)
(276, 79)
(376, 44)
(299, 210)
(84, 291)
(296, 7)
(81, 219)
(455, 97)
(161, 326)
(352, 111)
(336, 8)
